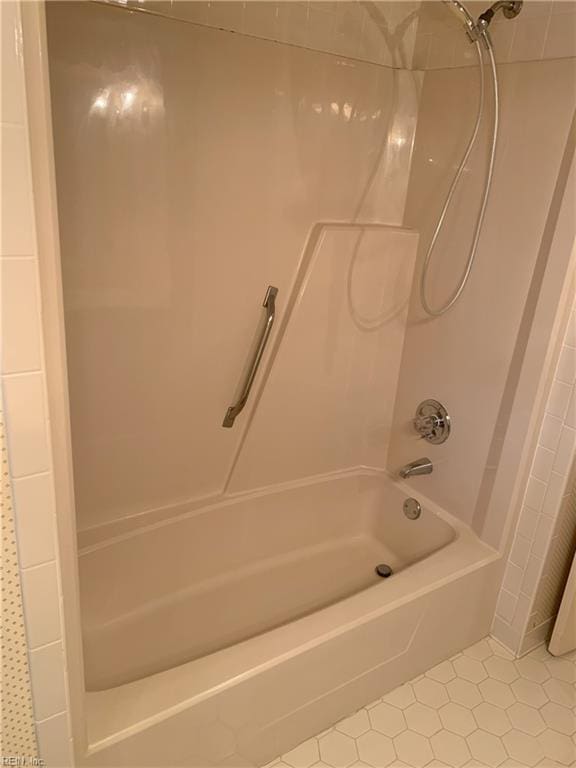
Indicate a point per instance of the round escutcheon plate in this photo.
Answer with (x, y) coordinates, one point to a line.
(412, 509)
(432, 422)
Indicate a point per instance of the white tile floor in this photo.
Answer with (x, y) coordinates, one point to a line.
(480, 709)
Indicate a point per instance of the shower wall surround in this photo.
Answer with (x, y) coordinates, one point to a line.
(320, 138)
(476, 341)
(378, 32)
(543, 30)
(408, 35)
(166, 262)
(350, 352)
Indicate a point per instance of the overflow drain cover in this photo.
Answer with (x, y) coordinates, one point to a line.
(383, 570)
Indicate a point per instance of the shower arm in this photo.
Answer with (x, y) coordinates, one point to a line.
(510, 9)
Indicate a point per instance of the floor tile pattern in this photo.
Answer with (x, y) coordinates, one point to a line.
(480, 709)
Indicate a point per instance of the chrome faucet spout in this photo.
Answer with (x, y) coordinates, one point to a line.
(419, 467)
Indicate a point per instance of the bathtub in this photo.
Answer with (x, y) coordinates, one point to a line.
(268, 622)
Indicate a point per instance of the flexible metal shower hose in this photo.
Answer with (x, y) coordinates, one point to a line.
(437, 311)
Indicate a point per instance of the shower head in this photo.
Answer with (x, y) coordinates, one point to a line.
(462, 13)
(479, 30)
(510, 9)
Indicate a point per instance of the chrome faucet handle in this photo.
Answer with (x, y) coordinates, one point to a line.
(432, 422)
(424, 425)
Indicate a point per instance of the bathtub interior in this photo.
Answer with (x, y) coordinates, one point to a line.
(218, 576)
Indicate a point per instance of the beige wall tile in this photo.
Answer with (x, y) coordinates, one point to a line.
(566, 371)
(465, 52)
(543, 462)
(535, 492)
(293, 23)
(563, 6)
(554, 492)
(561, 37)
(20, 316)
(565, 452)
(528, 42)
(226, 15)
(17, 226)
(537, 9)
(527, 523)
(54, 743)
(48, 685)
(261, 19)
(27, 435)
(348, 23)
(542, 30)
(34, 507)
(435, 18)
(191, 11)
(506, 605)
(570, 340)
(550, 432)
(381, 32)
(502, 34)
(571, 412)
(549, 535)
(41, 604)
(441, 51)
(321, 29)
(12, 104)
(558, 399)
(421, 48)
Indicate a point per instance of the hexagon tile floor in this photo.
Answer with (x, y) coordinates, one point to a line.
(480, 709)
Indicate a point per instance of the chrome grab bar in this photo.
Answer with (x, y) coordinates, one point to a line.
(269, 305)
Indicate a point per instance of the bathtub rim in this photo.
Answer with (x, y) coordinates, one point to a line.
(116, 713)
(212, 504)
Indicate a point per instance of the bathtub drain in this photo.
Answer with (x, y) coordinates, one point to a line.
(383, 570)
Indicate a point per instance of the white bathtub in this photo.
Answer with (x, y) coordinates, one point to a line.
(267, 622)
